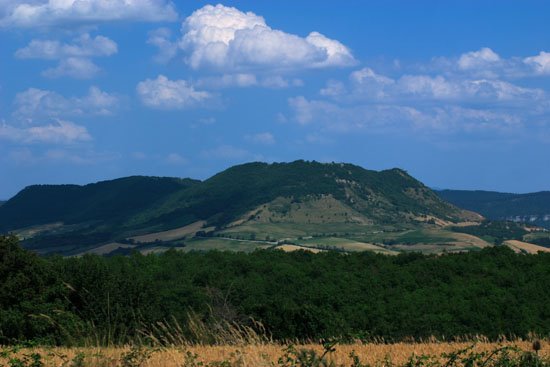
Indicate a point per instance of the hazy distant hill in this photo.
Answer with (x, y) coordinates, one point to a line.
(341, 203)
(531, 208)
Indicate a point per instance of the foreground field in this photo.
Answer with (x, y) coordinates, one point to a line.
(517, 353)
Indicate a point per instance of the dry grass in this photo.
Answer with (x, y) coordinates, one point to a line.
(257, 355)
(290, 248)
(519, 246)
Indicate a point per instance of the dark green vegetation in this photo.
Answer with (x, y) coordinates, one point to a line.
(297, 295)
(107, 203)
(251, 201)
(533, 208)
(378, 195)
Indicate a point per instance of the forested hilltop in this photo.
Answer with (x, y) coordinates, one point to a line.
(299, 295)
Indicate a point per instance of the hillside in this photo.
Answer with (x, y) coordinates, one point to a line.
(103, 203)
(533, 208)
(254, 205)
(383, 197)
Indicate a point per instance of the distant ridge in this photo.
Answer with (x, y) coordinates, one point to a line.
(531, 208)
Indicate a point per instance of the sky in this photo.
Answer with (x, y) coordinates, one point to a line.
(456, 93)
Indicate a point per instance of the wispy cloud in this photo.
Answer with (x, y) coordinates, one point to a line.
(176, 159)
(58, 132)
(163, 93)
(478, 91)
(540, 63)
(36, 104)
(243, 80)
(49, 13)
(226, 152)
(265, 138)
(74, 59)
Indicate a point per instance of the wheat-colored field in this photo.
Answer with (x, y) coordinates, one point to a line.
(519, 246)
(252, 355)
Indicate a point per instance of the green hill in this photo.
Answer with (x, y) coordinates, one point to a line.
(388, 196)
(107, 202)
(531, 208)
(278, 201)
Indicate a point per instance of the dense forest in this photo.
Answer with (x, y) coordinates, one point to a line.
(298, 295)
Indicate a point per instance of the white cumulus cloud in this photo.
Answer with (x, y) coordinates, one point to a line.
(46, 13)
(227, 38)
(163, 93)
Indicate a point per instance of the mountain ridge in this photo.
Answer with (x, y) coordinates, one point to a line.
(271, 202)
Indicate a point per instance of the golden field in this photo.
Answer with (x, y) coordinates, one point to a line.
(248, 355)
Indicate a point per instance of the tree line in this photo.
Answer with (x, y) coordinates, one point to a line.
(295, 296)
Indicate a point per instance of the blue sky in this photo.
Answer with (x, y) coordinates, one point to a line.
(456, 93)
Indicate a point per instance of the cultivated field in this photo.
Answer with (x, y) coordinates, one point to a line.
(519, 246)
(271, 354)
